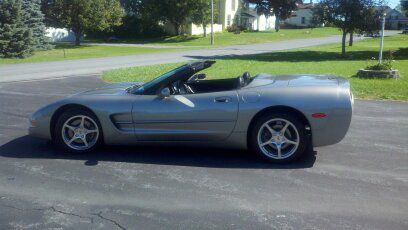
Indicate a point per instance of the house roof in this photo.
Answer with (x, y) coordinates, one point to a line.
(305, 6)
(384, 9)
(249, 14)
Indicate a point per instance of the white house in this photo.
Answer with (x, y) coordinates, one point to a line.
(230, 12)
(60, 35)
(302, 17)
(250, 19)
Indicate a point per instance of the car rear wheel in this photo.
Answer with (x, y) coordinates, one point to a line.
(278, 137)
(78, 131)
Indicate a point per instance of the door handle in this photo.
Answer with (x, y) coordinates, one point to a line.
(222, 99)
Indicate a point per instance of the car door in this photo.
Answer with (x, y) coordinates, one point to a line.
(189, 117)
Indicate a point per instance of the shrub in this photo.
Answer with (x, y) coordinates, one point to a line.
(234, 29)
(385, 65)
(382, 66)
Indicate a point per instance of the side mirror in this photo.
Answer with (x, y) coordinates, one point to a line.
(201, 76)
(165, 92)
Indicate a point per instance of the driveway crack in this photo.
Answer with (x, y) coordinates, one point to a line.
(110, 220)
(72, 214)
(52, 208)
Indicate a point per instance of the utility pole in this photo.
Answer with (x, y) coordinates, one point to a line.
(212, 22)
(382, 38)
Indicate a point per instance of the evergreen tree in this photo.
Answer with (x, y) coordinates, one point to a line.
(15, 38)
(34, 19)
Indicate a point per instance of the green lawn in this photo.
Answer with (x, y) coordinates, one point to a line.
(225, 38)
(323, 59)
(92, 51)
(82, 52)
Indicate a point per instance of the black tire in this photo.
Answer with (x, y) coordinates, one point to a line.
(300, 127)
(65, 116)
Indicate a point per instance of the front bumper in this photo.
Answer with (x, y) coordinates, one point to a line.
(39, 133)
(39, 127)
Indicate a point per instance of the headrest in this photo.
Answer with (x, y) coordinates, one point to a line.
(247, 78)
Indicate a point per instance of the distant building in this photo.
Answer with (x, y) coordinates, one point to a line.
(394, 19)
(231, 12)
(248, 18)
(302, 17)
(60, 35)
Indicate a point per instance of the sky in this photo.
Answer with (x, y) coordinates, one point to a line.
(393, 3)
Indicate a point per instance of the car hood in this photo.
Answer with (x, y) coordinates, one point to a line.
(111, 89)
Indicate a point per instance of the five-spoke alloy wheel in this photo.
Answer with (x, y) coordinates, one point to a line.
(278, 137)
(77, 130)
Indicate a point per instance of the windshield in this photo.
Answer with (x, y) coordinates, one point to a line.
(159, 79)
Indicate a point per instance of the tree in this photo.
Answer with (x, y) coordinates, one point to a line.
(83, 16)
(34, 19)
(141, 18)
(404, 7)
(282, 9)
(147, 16)
(369, 22)
(347, 15)
(365, 18)
(202, 13)
(16, 39)
(176, 12)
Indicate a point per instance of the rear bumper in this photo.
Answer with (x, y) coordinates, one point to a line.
(334, 131)
(338, 122)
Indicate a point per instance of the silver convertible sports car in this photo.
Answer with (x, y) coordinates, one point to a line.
(276, 117)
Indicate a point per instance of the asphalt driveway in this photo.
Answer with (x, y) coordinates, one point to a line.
(360, 183)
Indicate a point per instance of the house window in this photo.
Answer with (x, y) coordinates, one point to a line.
(303, 20)
(232, 5)
(229, 20)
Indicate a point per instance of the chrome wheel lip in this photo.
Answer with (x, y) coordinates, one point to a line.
(278, 139)
(80, 133)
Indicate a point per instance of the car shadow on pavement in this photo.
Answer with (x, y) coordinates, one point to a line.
(29, 147)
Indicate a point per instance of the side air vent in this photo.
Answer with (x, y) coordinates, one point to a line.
(122, 122)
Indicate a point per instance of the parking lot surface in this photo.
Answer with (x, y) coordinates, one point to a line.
(360, 183)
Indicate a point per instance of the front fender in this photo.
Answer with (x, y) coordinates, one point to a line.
(40, 120)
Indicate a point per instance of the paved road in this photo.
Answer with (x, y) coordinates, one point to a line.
(156, 46)
(360, 183)
(23, 72)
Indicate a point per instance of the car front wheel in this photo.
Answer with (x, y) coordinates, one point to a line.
(279, 137)
(77, 131)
